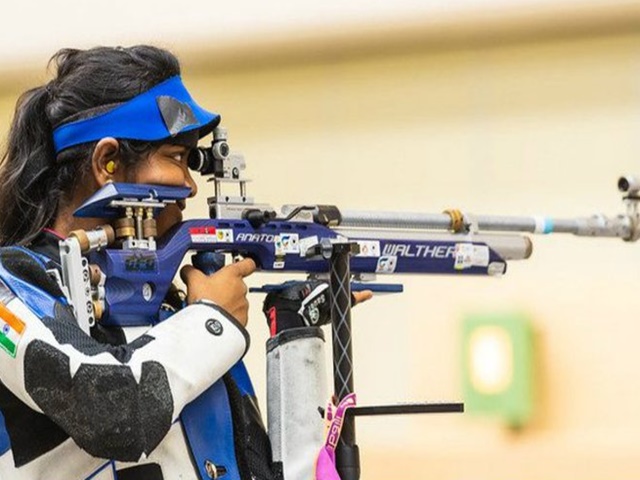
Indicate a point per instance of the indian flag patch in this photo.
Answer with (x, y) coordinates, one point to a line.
(11, 330)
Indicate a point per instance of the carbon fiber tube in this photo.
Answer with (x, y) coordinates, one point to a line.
(347, 456)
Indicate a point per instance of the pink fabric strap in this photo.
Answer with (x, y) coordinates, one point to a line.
(326, 464)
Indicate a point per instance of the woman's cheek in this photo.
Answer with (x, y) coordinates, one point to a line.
(169, 216)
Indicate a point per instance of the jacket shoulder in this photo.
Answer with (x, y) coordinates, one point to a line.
(24, 274)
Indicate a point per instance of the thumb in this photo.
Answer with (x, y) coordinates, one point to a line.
(187, 272)
(244, 267)
(361, 297)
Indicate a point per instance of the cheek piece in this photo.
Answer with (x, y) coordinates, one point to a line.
(164, 111)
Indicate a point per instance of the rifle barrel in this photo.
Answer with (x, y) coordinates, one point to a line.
(620, 226)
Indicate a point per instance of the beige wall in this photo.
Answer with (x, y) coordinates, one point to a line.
(516, 129)
(521, 127)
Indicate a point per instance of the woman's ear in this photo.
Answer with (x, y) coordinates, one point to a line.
(105, 162)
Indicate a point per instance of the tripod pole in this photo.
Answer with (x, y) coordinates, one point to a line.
(347, 453)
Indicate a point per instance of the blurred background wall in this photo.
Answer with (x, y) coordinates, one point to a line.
(491, 107)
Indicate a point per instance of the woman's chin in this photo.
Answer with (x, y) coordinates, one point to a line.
(168, 218)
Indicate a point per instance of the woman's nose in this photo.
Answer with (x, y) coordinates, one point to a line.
(191, 183)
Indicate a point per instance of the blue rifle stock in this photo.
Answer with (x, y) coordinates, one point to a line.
(138, 278)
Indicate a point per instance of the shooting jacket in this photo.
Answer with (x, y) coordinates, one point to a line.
(112, 405)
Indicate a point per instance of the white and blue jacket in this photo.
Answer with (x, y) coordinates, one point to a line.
(165, 402)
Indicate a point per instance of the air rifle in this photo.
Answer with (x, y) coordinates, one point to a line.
(131, 270)
(127, 271)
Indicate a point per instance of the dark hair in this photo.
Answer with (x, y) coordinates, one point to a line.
(33, 180)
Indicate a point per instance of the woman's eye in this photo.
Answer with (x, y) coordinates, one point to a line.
(179, 156)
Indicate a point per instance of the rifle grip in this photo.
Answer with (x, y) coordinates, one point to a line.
(208, 262)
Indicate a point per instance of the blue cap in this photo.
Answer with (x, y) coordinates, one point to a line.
(164, 111)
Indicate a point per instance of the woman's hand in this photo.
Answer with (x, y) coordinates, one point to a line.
(302, 303)
(225, 288)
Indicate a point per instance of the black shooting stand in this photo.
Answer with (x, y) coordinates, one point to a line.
(347, 453)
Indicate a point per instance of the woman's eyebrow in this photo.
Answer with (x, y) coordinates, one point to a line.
(181, 145)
